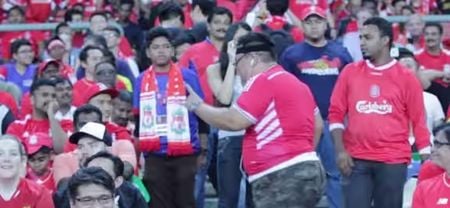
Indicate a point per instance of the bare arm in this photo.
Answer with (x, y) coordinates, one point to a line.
(58, 134)
(222, 89)
(427, 76)
(229, 119)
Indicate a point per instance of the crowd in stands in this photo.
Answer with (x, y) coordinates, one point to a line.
(274, 102)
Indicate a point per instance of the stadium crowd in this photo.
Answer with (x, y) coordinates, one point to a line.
(274, 102)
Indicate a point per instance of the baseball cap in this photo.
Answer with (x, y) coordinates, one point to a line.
(43, 66)
(93, 130)
(313, 10)
(36, 141)
(99, 88)
(55, 43)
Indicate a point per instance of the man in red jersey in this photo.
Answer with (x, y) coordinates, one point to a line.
(283, 125)
(17, 191)
(42, 118)
(206, 53)
(379, 98)
(434, 59)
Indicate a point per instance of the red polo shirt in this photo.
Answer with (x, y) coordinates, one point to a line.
(29, 195)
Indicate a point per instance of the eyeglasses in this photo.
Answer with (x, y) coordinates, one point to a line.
(89, 201)
(438, 144)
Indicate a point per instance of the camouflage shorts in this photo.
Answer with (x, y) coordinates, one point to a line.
(300, 186)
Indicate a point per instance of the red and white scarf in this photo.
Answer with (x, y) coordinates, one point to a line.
(177, 126)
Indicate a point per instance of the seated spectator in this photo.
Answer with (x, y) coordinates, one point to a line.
(42, 119)
(21, 70)
(65, 33)
(57, 51)
(17, 191)
(129, 196)
(64, 94)
(40, 155)
(106, 73)
(434, 192)
(91, 186)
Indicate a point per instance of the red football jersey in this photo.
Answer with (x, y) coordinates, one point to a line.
(379, 108)
(277, 23)
(434, 62)
(35, 37)
(28, 126)
(45, 180)
(29, 194)
(282, 116)
(201, 55)
(429, 170)
(78, 91)
(118, 132)
(433, 193)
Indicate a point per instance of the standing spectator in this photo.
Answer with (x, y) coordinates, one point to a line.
(91, 186)
(207, 52)
(40, 156)
(373, 149)
(21, 70)
(64, 94)
(434, 191)
(122, 109)
(282, 167)
(17, 191)
(434, 60)
(165, 127)
(132, 31)
(227, 87)
(171, 15)
(317, 62)
(42, 119)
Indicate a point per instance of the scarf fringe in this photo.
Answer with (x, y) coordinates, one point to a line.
(180, 148)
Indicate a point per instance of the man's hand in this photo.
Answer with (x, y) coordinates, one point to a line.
(344, 162)
(193, 100)
(53, 106)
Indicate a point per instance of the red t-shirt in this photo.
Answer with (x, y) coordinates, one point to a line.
(26, 107)
(429, 170)
(118, 132)
(29, 194)
(10, 102)
(277, 23)
(282, 117)
(35, 37)
(78, 91)
(433, 62)
(45, 180)
(379, 108)
(238, 8)
(28, 126)
(433, 193)
(201, 55)
(38, 11)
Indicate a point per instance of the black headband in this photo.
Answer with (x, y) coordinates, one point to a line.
(253, 48)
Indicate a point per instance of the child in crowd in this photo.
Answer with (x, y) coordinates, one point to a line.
(40, 156)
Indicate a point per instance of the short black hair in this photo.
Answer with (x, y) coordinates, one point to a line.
(109, 56)
(86, 109)
(18, 8)
(69, 14)
(182, 39)
(277, 7)
(383, 26)
(99, 13)
(434, 24)
(117, 162)
(206, 6)
(60, 80)
(59, 26)
(170, 10)
(40, 82)
(43, 150)
(98, 40)
(220, 11)
(125, 96)
(156, 33)
(16, 44)
(131, 2)
(89, 176)
(113, 29)
(410, 8)
(84, 53)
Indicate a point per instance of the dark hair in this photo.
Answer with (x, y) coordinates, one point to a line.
(383, 26)
(88, 176)
(99, 13)
(18, 8)
(434, 24)
(113, 29)
(69, 14)
(20, 145)
(410, 8)
(182, 39)
(43, 150)
(277, 7)
(117, 162)
(219, 11)
(109, 56)
(61, 80)
(156, 33)
(131, 2)
(445, 128)
(206, 6)
(128, 171)
(40, 82)
(15, 45)
(99, 40)
(84, 53)
(86, 109)
(394, 2)
(231, 32)
(170, 10)
(256, 39)
(106, 62)
(125, 96)
(59, 26)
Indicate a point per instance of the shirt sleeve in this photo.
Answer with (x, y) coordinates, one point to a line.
(45, 200)
(192, 79)
(416, 113)
(255, 99)
(184, 59)
(338, 104)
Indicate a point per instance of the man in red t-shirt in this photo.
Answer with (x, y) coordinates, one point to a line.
(379, 99)
(205, 53)
(282, 123)
(16, 190)
(42, 118)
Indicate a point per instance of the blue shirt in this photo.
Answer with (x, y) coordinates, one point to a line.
(23, 81)
(189, 77)
(318, 67)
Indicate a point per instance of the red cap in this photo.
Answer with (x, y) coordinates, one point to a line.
(97, 89)
(36, 141)
(42, 66)
(313, 10)
(55, 43)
